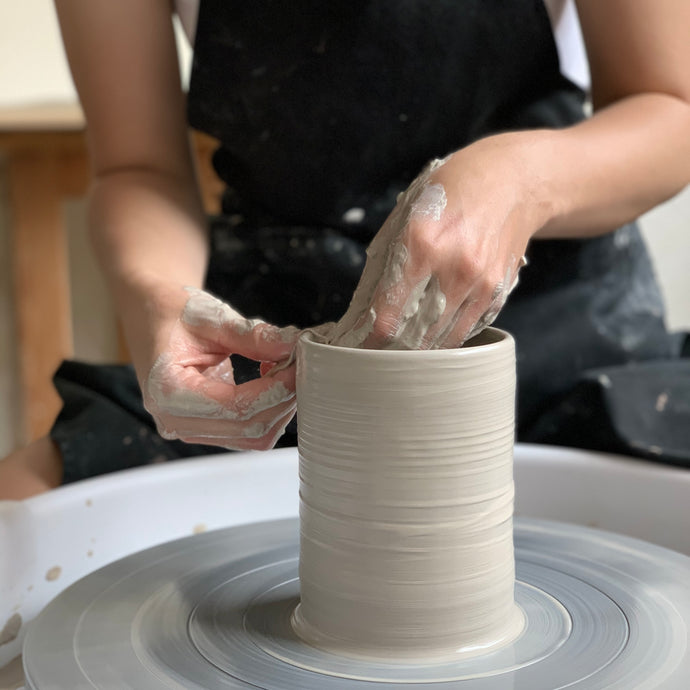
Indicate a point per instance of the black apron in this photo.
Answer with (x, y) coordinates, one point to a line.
(326, 111)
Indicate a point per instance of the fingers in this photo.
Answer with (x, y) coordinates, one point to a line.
(443, 264)
(188, 406)
(214, 320)
(243, 442)
(469, 320)
(205, 406)
(191, 391)
(260, 433)
(477, 311)
(408, 299)
(405, 316)
(183, 391)
(422, 295)
(433, 314)
(223, 371)
(389, 277)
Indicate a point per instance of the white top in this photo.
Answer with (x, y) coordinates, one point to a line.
(569, 41)
(187, 11)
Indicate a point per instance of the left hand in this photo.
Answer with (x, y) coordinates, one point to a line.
(445, 260)
(190, 389)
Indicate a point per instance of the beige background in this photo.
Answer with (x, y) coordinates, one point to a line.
(33, 70)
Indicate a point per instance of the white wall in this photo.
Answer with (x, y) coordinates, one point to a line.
(667, 231)
(32, 67)
(33, 70)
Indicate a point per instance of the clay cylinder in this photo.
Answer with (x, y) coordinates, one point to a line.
(406, 499)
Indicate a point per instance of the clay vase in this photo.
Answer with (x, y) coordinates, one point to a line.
(406, 499)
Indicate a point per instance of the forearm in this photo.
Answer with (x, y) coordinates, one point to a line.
(615, 166)
(148, 231)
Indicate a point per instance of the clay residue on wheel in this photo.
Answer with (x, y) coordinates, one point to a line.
(54, 573)
(11, 629)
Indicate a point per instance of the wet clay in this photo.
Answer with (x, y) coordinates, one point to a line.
(383, 279)
(406, 499)
(386, 257)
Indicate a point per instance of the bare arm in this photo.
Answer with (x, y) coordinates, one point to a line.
(149, 233)
(634, 152)
(145, 215)
(501, 191)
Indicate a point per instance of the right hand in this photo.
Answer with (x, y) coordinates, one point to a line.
(191, 392)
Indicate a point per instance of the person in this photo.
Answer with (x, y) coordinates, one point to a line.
(326, 114)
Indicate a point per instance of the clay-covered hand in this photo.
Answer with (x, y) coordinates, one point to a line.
(191, 391)
(445, 260)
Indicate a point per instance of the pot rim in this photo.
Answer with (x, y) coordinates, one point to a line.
(497, 338)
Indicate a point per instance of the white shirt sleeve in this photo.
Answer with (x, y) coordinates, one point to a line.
(187, 11)
(569, 41)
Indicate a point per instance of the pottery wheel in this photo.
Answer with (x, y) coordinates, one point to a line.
(213, 611)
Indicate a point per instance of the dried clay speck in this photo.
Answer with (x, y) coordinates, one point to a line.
(605, 381)
(11, 629)
(54, 573)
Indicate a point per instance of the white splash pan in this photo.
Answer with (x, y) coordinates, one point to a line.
(50, 541)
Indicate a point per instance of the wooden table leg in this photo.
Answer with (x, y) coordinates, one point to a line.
(40, 267)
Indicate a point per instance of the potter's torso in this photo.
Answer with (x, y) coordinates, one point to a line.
(322, 110)
(327, 112)
(564, 23)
